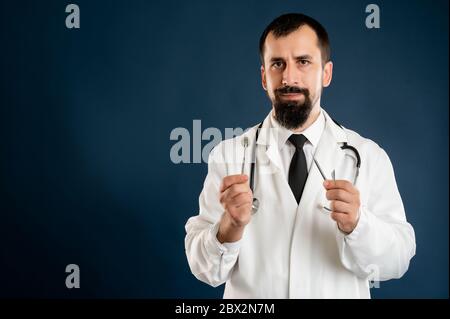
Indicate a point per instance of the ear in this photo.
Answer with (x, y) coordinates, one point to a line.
(327, 74)
(263, 78)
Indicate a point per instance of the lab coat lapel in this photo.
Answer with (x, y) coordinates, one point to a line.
(328, 154)
(267, 138)
(270, 164)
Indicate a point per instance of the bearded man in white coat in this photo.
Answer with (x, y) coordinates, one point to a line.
(312, 236)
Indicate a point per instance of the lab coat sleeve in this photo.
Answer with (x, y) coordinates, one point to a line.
(383, 242)
(209, 260)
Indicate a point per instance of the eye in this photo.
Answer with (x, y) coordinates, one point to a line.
(277, 64)
(304, 62)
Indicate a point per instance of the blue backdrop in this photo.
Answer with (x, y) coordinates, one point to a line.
(86, 117)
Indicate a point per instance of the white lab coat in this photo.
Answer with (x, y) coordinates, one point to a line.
(291, 250)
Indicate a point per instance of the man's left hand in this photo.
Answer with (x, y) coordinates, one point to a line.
(345, 204)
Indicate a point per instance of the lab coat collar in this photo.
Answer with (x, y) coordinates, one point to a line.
(269, 137)
(312, 133)
(331, 137)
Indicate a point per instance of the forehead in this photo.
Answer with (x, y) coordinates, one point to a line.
(300, 42)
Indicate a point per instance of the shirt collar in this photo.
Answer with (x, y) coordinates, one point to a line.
(312, 133)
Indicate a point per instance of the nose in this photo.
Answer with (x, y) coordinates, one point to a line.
(290, 75)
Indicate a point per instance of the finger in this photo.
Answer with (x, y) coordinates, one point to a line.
(339, 217)
(236, 189)
(340, 207)
(339, 194)
(241, 213)
(342, 184)
(241, 199)
(233, 179)
(247, 206)
(233, 191)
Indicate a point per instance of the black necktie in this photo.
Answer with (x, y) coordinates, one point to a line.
(298, 172)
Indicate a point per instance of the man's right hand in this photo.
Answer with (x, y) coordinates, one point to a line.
(236, 198)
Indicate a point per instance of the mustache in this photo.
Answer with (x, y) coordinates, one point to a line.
(291, 89)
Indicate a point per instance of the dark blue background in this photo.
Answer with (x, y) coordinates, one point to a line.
(86, 116)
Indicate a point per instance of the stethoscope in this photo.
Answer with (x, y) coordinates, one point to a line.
(255, 204)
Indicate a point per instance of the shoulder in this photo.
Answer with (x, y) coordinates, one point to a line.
(364, 146)
(363, 143)
(369, 150)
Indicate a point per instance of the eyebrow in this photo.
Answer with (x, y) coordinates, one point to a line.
(275, 59)
(304, 57)
(301, 57)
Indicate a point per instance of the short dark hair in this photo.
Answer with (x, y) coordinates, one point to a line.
(290, 22)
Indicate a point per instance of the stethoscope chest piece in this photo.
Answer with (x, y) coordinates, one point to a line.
(255, 205)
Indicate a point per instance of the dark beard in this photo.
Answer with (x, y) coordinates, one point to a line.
(292, 114)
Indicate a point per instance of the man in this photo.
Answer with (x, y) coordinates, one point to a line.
(310, 237)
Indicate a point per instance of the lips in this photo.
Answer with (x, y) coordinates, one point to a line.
(291, 96)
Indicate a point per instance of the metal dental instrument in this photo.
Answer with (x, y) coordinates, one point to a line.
(320, 169)
(255, 203)
(333, 175)
(245, 145)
